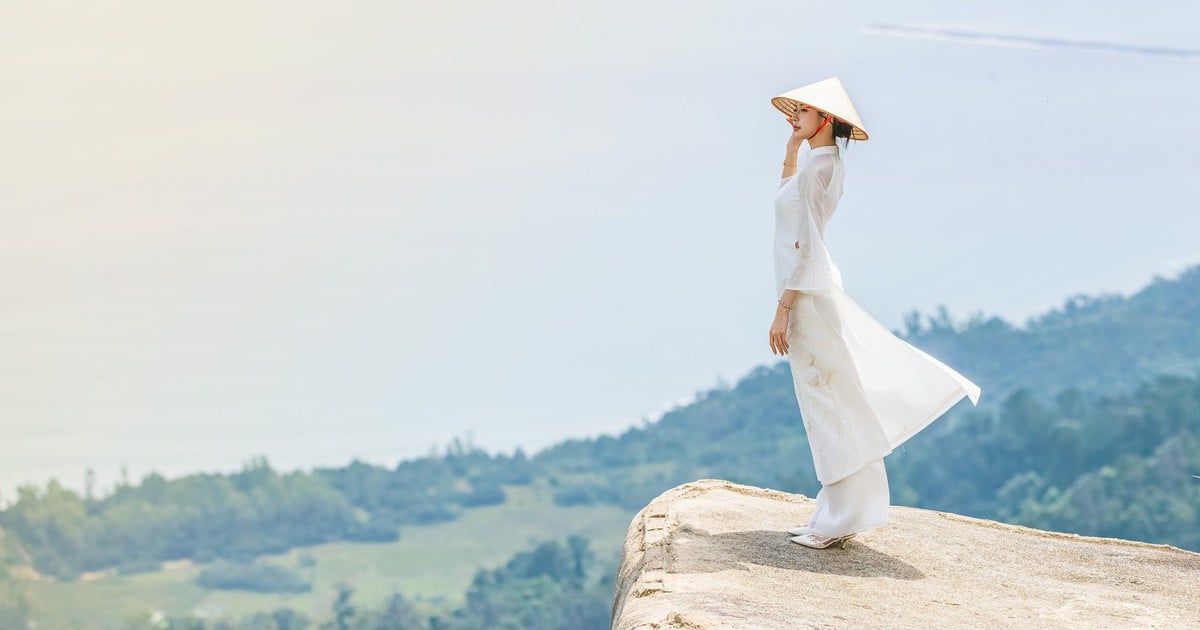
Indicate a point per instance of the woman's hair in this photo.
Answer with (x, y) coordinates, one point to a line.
(841, 130)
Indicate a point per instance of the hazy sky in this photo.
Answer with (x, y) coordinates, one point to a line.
(316, 231)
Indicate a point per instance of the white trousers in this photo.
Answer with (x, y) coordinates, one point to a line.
(856, 503)
(847, 443)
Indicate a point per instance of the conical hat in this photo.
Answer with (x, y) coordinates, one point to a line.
(827, 95)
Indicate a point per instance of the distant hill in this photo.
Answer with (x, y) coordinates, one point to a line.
(1105, 344)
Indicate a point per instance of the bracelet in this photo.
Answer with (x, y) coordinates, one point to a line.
(785, 306)
(786, 164)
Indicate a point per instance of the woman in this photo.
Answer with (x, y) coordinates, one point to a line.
(862, 391)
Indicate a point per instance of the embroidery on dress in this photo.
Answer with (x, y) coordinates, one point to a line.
(818, 377)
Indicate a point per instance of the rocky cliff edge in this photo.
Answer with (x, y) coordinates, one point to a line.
(716, 554)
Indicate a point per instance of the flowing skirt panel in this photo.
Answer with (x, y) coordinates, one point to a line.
(843, 431)
(906, 387)
(862, 390)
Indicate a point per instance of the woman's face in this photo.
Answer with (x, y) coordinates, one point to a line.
(805, 118)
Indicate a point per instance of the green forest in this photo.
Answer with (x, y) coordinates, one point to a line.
(1089, 423)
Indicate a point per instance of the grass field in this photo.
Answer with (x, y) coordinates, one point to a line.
(431, 564)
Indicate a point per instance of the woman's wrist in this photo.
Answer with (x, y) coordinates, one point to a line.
(789, 158)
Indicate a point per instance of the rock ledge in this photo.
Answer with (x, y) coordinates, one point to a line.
(715, 554)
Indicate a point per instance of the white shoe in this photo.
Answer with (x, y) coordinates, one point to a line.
(800, 531)
(817, 541)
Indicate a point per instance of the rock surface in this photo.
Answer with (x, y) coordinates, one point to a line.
(716, 554)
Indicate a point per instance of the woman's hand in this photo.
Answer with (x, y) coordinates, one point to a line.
(793, 148)
(798, 135)
(778, 334)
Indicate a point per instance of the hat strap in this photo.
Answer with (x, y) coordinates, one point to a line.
(823, 123)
